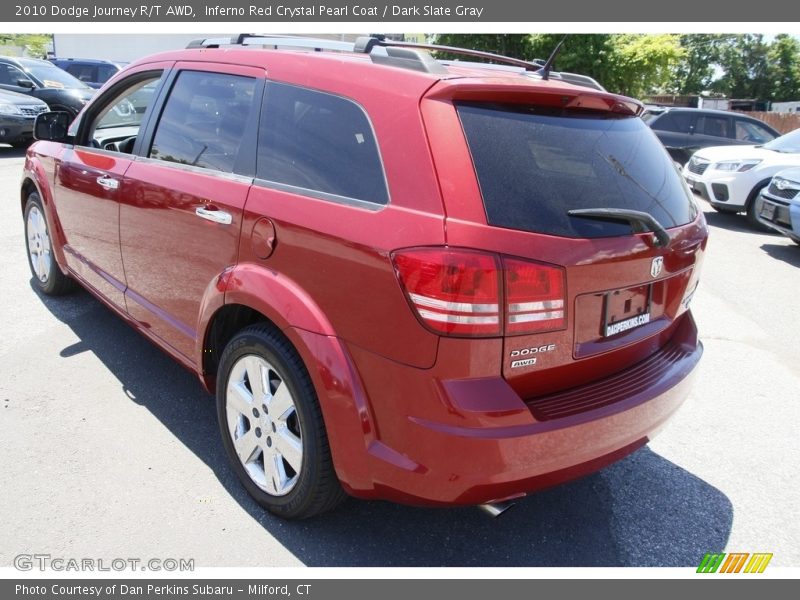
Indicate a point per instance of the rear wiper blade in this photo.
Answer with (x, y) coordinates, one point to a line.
(640, 222)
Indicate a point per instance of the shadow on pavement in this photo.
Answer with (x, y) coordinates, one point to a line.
(11, 152)
(789, 253)
(642, 511)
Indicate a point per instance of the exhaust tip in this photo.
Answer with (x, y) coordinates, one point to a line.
(495, 509)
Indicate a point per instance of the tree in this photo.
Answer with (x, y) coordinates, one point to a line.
(644, 64)
(745, 63)
(585, 54)
(696, 71)
(35, 44)
(784, 61)
(624, 63)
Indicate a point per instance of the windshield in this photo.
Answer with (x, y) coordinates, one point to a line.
(534, 165)
(51, 76)
(789, 143)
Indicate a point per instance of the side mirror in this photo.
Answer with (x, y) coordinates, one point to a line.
(25, 83)
(51, 126)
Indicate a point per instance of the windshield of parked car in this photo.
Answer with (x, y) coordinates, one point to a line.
(534, 165)
(50, 76)
(789, 143)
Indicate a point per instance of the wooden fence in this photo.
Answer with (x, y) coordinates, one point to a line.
(782, 122)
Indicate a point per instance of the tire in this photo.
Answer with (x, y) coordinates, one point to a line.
(275, 438)
(21, 145)
(47, 275)
(752, 210)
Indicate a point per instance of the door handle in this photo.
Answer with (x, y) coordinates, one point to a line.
(108, 182)
(213, 215)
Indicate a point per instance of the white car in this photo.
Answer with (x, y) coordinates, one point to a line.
(730, 178)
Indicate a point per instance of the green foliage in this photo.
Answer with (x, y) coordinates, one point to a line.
(35, 44)
(733, 65)
(784, 60)
(695, 72)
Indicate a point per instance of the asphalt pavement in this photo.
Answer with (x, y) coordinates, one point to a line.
(110, 449)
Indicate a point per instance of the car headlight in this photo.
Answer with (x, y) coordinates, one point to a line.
(738, 166)
(9, 109)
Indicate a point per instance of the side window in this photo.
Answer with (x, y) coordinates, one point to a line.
(675, 122)
(320, 143)
(716, 126)
(116, 125)
(104, 73)
(748, 131)
(84, 73)
(204, 120)
(10, 75)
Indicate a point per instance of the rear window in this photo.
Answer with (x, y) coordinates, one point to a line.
(535, 165)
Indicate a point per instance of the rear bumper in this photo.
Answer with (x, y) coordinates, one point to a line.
(436, 442)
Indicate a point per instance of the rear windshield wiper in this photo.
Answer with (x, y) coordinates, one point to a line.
(640, 222)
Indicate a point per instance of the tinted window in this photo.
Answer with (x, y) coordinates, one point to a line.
(82, 72)
(678, 122)
(748, 131)
(10, 75)
(533, 166)
(204, 120)
(320, 143)
(105, 72)
(716, 126)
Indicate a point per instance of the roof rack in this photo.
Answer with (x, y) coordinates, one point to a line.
(395, 53)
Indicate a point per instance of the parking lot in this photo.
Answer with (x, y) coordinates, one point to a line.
(110, 449)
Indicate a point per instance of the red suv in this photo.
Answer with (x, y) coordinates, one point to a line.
(432, 283)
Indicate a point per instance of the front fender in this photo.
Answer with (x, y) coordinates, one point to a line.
(35, 174)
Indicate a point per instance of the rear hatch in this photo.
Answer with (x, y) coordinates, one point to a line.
(571, 198)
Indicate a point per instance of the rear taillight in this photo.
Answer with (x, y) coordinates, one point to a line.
(534, 297)
(455, 292)
(460, 292)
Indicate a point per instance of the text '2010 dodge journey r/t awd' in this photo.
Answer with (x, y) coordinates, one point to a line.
(433, 283)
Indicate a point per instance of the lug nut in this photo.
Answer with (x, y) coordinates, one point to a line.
(258, 432)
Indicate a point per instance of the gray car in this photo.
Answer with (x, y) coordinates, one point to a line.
(17, 113)
(683, 131)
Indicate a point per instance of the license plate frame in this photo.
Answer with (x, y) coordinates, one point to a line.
(767, 211)
(628, 320)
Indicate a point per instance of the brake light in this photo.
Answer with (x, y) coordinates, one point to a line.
(534, 297)
(459, 292)
(454, 292)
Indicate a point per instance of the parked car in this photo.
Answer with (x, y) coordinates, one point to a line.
(779, 204)
(91, 71)
(43, 80)
(431, 284)
(683, 131)
(731, 177)
(17, 113)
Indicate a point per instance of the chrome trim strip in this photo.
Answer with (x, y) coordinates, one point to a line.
(529, 317)
(462, 319)
(292, 189)
(464, 307)
(531, 306)
(195, 169)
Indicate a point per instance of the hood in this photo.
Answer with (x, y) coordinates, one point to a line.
(718, 153)
(790, 174)
(7, 97)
